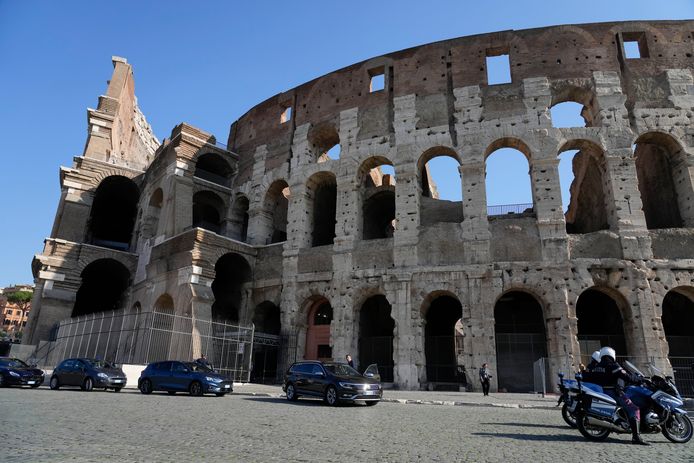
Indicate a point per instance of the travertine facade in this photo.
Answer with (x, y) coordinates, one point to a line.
(273, 221)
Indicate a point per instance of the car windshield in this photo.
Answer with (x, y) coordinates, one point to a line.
(341, 369)
(99, 364)
(193, 366)
(13, 363)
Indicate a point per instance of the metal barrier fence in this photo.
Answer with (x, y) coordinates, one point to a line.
(504, 209)
(141, 337)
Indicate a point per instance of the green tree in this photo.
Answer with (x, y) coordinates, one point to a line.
(22, 299)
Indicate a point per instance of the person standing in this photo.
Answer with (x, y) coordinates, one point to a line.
(204, 362)
(485, 376)
(349, 360)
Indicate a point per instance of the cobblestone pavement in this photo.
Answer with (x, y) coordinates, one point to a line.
(44, 425)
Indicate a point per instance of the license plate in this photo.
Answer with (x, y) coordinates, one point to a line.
(31, 382)
(370, 392)
(226, 386)
(117, 380)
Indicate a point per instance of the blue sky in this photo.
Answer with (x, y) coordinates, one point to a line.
(206, 64)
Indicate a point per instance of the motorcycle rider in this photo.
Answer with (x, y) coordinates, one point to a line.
(610, 374)
(594, 360)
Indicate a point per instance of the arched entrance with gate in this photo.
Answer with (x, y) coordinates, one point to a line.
(266, 343)
(318, 347)
(520, 340)
(600, 323)
(376, 337)
(442, 313)
(678, 323)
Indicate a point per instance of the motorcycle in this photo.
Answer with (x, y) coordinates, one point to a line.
(569, 392)
(598, 414)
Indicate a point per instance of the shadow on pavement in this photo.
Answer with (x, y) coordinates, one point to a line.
(301, 402)
(529, 425)
(533, 437)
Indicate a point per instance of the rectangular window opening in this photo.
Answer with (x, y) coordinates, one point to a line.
(377, 81)
(635, 45)
(286, 115)
(498, 67)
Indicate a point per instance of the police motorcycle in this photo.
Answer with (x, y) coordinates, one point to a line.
(569, 392)
(597, 414)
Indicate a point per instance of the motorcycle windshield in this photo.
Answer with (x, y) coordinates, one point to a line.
(632, 369)
(655, 371)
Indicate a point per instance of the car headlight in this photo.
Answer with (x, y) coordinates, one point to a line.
(102, 375)
(14, 373)
(212, 379)
(349, 385)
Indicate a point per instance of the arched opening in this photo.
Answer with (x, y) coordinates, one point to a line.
(104, 284)
(519, 327)
(208, 210)
(320, 315)
(571, 106)
(213, 168)
(266, 343)
(324, 142)
(276, 206)
(376, 336)
(239, 219)
(163, 323)
(113, 213)
(232, 272)
(376, 178)
(441, 187)
(440, 350)
(150, 221)
(582, 180)
(678, 323)
(322, 197)
(664, 183)
(568, 114)
(508, 178)
(157, 198)
(599, 324)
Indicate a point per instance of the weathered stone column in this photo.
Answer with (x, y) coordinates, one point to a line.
(405, 351)
(544, 176)
(407, 195)
(478, 321)
(475, 224)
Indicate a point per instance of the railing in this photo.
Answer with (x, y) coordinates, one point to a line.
(505, 209)
(212, 177)
(141, 337)
(683, 369)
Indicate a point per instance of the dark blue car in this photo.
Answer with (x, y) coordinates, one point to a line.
(175, 376)
(14, 372)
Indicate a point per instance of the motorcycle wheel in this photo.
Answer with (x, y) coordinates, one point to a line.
(678, 429)
(568, 416)
(592, 433)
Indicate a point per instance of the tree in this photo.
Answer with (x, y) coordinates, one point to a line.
(22, 299)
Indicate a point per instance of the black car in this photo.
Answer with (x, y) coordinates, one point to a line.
(88, 374)
(14, 372)
(334, 382)
(173, 376)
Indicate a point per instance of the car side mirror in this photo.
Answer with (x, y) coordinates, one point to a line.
(368, 375)
(320, 373)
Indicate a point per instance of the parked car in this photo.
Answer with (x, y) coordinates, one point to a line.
(334, 382)
(14, 372)
(88, 374)
(173, 376)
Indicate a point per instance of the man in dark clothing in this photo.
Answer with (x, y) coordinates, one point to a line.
(204, 362)
(349, 360)
(613, 378)
(485, 376)
(594, 360)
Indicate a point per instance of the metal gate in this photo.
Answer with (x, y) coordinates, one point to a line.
(516, 354)
(378, 350)
(441, 359)
(266, 354)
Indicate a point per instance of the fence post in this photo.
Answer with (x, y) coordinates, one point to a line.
(542, 375)
(250, 355)
(151, 332)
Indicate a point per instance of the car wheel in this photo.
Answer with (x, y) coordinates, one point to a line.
(54, 384)
(195, 389)
(146, 386)
(371, 403)
(2, 381)
(88, 384)
(117, 389)
(171, 392)
(331, 396)
(291, 393)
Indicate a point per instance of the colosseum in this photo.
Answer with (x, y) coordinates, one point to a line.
(297, 228)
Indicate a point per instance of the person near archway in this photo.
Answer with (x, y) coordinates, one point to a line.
(204, 362)
(349, 360)
(485, 377)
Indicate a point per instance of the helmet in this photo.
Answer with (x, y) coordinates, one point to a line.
(609, 352)
(596, 356)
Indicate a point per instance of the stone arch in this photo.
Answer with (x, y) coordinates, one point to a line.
(232, 273)
(678, 325)
(150, 219)
(321, 194)
(375, 331)
(377, 199)
(588, 193)
(604, 319)
(113, 213)
(104, 286)
(664, 181)
(324, 142)
(208, 211)
(275, 209)
(213, 168)
(160, 344)
(239, 218)
(505, 204)
(266, 319)
(432, 208)
(442, 313)
(521, 338)
(508, 142)
(564, 93)
(315, 323)
(156, 199)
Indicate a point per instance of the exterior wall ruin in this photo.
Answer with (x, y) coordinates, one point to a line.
(436, 100)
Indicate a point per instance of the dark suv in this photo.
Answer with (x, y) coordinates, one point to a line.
(334, 382)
